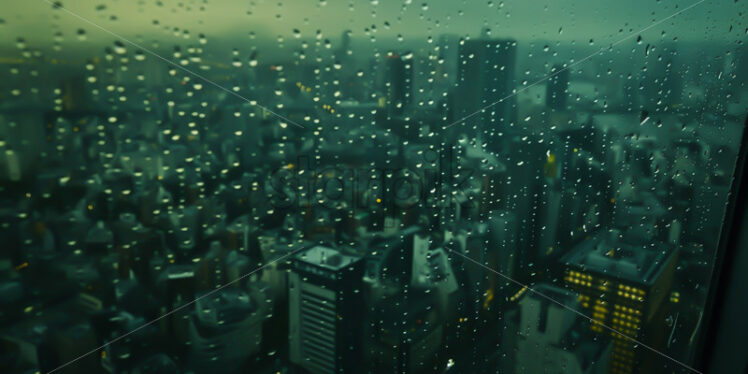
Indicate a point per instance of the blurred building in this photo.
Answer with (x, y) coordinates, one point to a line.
(407, 334)
(556, 88)
(661, 84)
(226, 329)
(74, 94)
(553, 338)
(624, 286)
(486, 76)
(325, 307)
(398, 83)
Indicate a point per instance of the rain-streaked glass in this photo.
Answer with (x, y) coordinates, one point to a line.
(363, 186)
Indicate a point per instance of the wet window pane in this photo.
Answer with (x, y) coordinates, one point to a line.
(364, 186)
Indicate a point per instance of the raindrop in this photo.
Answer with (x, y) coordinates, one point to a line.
(119, 48)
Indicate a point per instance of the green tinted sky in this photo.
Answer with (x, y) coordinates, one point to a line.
(604, 21)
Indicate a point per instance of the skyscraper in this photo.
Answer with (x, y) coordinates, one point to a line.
(324, 309)
(398, 83)
(75, 97)
(486, 76)
(555, 91)
(661, 84)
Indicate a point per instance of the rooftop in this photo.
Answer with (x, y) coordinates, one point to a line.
(605, 253)
(327, 258)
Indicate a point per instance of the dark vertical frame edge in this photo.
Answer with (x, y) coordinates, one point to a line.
(724, 265)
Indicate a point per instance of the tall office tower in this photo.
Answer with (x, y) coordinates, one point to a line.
(503, 233)
(555, 89)
(325, 307)
(624, 286)
(554, 337)
(532, 162)
(156, 74)
(661, 83)
(592, 182)
(479, 285)
(486, 76)
(345, 70)
(492, 175)
(547, 233)
(576, 214)
(74, 94)
(545, 209)
(398, 83)
(446, 70)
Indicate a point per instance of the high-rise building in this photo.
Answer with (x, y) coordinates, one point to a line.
(325, 306)
(555, 91)
(398, 83)
(503, 233)
(446, 70)
(661, 83)
(75, 97)
(549, 217)
(486, 77)
(346, 70)
(624, 286)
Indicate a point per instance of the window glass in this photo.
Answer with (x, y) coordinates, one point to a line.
(363, 186)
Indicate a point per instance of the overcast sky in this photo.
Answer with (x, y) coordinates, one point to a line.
(603, 21)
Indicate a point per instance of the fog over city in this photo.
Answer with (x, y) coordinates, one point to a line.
(356, 186)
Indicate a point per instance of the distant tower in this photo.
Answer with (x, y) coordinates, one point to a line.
(75, 97)
(399, 83)
(661, 84)
(345, 42)
(486, 77)
(555, 91)
(325, 309)
(346, 73)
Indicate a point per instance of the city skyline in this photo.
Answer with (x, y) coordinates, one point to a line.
(465, 207)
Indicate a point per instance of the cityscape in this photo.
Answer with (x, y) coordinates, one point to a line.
(467, 202)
